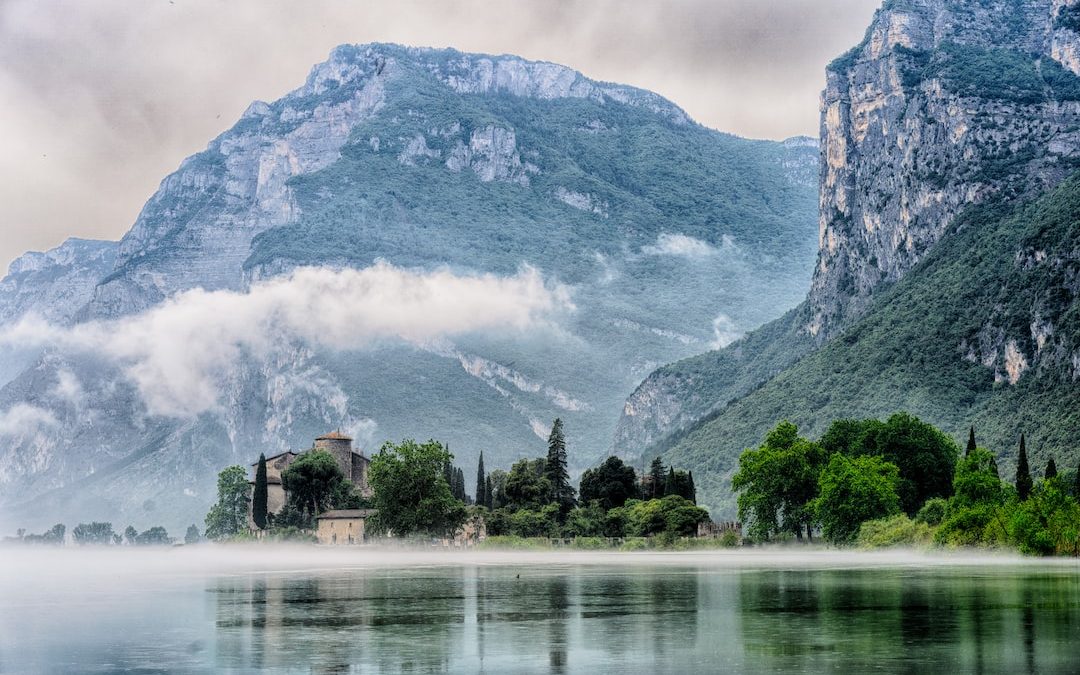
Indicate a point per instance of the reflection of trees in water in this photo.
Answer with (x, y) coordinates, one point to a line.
(976, 621)
(329, 623)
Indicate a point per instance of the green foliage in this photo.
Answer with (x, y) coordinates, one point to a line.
(852, 491)
(933, 511)
(1051, 471)
(611, 483)
(527, 485)
(541, 523)
(314, 483)
(589, 520)
(482, 497)
(155, 536)
(1048, 522)
(672, 515)
(924, 455)
(192, 535)
(976, 481)
(100, 534)
(228, 516)
(893, 532)
(657, 479)
(558, 476)
(777, 482)
(1023, 472)
(903, 355)
(259, 495)
(411, 492)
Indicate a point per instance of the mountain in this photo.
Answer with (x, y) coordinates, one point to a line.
(935, 128)
(670, 238)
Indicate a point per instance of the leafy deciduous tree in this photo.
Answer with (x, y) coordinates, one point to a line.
(228, 516)
(855, 490)
(611, 484)
(411, 491)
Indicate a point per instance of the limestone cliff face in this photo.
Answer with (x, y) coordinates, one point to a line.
(944, 104)
(198, 228)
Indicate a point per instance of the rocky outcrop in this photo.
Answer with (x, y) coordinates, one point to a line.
(945, 103)
(55, 284)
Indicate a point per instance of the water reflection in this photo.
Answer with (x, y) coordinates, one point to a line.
(561, 619)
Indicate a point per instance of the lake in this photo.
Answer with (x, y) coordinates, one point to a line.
(208, 609)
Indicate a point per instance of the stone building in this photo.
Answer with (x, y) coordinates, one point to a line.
(343, 527)
(353, 464)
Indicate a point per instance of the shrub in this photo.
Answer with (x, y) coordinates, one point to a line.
(894, 531)
(933, 511)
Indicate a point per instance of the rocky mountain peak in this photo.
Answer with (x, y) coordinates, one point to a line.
(938, 108)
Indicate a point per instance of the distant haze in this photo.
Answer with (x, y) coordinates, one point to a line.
(103, 99)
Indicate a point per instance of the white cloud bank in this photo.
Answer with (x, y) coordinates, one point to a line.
(175, 352)
(724, 332)
(22, 418)
(686, 246)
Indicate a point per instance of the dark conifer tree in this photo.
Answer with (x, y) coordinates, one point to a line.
(656, 479)
(693, 489)
(489, 493)
(1051, 470)
(1023, 473)
(971, 441)
(562, 493)
(259, 496)
(671, 483)
(481, 482)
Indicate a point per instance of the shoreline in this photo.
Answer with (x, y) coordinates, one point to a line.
(242, 559)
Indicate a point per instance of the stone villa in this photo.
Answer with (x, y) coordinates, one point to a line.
(353, 464)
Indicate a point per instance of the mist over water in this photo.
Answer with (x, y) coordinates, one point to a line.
(286, 609)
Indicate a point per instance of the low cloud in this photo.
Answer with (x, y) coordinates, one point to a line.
(724, 332)
(23, 418)
(177, 352)
(686, 246)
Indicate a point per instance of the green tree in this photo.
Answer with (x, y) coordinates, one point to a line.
(315, 483)
(192, 535)
(971, 442)
(925, 457)
(1046, 523)
(489, 493)
(527, 485)
(777, 482)
(855, 490)
(1076, 484)
(481, 483)
(155, 536)
(1023, 473)
(227, 517)
(672, 515)
(497, 493)
(562, 493)
(976, 481)
(259, 495)
(610, 484)
(656, 479)
(130, 533)
(587, 520)
(93, 533)
(411, 492)
(1051, 470)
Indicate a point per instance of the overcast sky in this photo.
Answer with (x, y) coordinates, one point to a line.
(102, 99)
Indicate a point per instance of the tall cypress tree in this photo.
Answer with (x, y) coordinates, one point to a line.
(693, 489)
(971, 441)
(258, 498)
(489, 493)
(481, 483)
(656, 479)
(562, 493)
(1023, 473)
(1051, 470)
(671, 485)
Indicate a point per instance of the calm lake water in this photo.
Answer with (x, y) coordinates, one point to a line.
(767, 612)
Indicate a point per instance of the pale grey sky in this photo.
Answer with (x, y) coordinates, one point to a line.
(102, 99)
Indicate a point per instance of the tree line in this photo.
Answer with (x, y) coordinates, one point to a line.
(901, 481)
(102, 534)
(417, 490)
